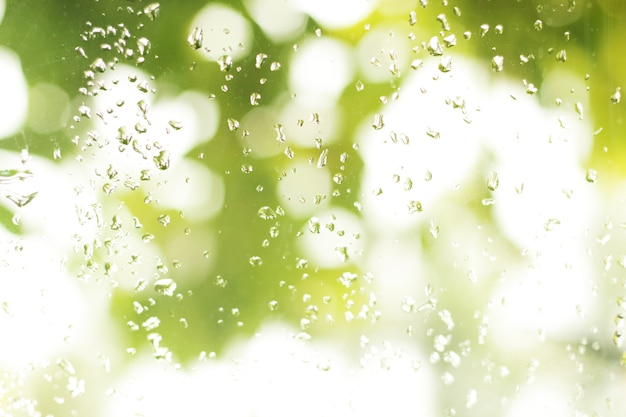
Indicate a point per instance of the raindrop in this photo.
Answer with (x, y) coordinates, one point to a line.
(152, 11)
(255, 261)
(444, 22)
(259, 60)
(497, 63)
(484, 28)
(616, 97)
(162, 160)
(233, 124)
(414, 207)
(578, 106)
(99, 65)
(165, 286)
(538, 25)
(255, 98)
(446, 64)
(272, 305)
(225, 62)
(321, 161)
(492, 181)
(266, 213)
(591, 176)
(143, 46)
(378, 122)
(435, 48)
(449, 41)
(561, 56)
(196, 38)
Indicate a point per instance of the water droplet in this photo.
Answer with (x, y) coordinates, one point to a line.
(165, 286)
(471, 398)
(591, 176)
(617, 338)
(433, 133)
(266, 213)
(497, 63)
(176, 125)
(445, 26)
(19, 199)
(538, 25)
(225, 62)
(435, 48)
(414, 207)
(255, 98)
(152, 11)
(616, 97)
(255, 261)
(162, 160)
(233, 124)
(550, 224)
(196, 38)
(484, 28)
(359, 85)
(164, 219)
(99, 65)
(445, 65)
(417, 63)
(561, 56)
(578, 106)
(275, 66)
(272, 305)
(492, 181)
(151, 323)
(449, 41)
(412, 18)
(143, 46)
(378, 122)
(322, 159)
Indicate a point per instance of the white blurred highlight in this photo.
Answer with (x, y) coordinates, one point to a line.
(278, 376)
(225, 32)
(280, 20)
(14, 97)
(337, 14)
(321, 69)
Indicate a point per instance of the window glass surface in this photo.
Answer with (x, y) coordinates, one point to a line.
(288, 207)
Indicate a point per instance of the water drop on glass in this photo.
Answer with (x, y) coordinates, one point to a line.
(195, 39)
(497, 63)
(162, 160)
(165, 286)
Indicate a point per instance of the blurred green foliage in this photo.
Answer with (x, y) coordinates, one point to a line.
(46, 33)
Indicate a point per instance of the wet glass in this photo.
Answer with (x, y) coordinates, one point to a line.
(275, 208)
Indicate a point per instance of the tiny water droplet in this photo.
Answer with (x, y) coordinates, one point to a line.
(152, 11)
(225, 62)
(412, 18)
(165, 286)
(616, 97)
(492, 181)
(561, 56)
(435, 48)
(378, 122)
(591, 176)
(497, 63)
(233, 124)
(196, 38)
(162, 160)
(255, 261)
